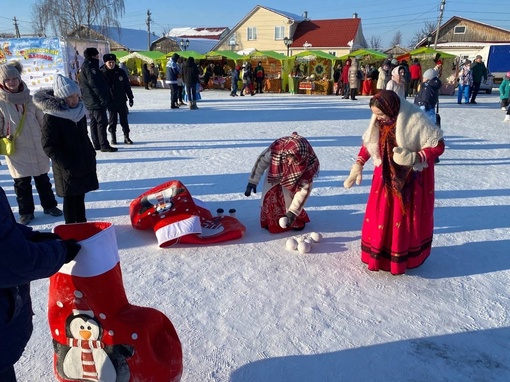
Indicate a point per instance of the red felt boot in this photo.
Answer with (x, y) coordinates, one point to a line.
(97, 334)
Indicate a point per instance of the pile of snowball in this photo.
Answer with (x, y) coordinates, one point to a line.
(303, 244)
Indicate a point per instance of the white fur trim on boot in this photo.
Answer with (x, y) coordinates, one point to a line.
(98, 254)
(507, 118)
(174, 229)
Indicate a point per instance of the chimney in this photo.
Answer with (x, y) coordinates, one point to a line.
(354, 15)
(305, 15)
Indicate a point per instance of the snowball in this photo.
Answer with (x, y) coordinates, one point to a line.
(291, 244)
(283, 221)
(316, 236)
(300, 239)
(302, 247)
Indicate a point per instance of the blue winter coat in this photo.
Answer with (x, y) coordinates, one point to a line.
(21, 261)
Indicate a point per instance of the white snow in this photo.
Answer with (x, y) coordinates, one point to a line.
(251, 310)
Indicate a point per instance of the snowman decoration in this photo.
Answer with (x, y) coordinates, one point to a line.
(86, 357)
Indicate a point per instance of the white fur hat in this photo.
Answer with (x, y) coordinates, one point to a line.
(64, 87)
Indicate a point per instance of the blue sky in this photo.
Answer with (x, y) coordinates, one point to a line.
(378, 19)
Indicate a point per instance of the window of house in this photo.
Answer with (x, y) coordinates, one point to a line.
(252, 33)
(279, 33)
(459, 29)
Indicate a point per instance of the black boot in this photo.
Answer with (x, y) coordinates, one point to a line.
(127, 141)
(114, 139)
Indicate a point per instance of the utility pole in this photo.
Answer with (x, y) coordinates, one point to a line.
(441, 10)
(148, 22)
(16, 28)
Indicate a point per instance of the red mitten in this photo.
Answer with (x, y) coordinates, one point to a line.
(97, 334)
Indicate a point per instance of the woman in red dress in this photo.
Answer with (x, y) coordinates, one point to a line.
(399, 218)
(292, 165)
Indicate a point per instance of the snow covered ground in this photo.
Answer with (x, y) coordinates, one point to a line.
(252, 311)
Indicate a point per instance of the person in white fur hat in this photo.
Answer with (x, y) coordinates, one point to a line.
(21, 120)
(66, 142)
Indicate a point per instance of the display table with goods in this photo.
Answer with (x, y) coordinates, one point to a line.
(273, 85)
(323, 87)
(220, 83)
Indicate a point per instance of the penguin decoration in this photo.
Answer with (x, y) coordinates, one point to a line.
(85, 357)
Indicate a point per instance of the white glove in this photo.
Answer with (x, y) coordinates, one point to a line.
(404, 157)
(354, 176)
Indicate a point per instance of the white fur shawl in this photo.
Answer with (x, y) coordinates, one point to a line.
(413, 131)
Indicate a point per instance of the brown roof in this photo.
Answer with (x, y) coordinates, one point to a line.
(326, 33)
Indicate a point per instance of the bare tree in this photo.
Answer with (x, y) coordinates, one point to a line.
(375, 43)
(40, 18)
(428, 28)
(397, 39)
(65, 16)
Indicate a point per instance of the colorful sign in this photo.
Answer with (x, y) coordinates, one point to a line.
(42, 58)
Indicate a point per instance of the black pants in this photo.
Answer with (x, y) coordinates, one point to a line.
(473, 91)
(354, 92)
(180, 91)
(98, 124)
(8, 375)
(260, 85)
(174, 94)
(25, 198)
(122, 112)
(74, 209)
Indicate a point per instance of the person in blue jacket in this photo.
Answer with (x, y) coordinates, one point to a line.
(26, 255)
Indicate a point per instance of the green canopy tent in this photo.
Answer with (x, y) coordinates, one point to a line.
(187, 54)
(424, 53)
(215, 55)
(227, 56)
(135, 60)
(368, 56)
(426, 57)
(120, 53)
(275, 68)
(315, 62)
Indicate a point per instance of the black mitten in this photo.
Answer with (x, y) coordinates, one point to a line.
(249, 188)
(131, 102)
(290, 218)
(72, 247)
(42, 236)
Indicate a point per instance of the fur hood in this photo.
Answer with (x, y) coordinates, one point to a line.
(45, 100)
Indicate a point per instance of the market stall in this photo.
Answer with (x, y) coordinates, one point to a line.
(135, 60)
(366, 57)
(427, 57)
(273, 64)
(227, 60)
(314, 69)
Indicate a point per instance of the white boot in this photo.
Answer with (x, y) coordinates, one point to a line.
(507, 118)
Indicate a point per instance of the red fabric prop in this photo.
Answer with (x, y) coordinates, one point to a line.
(97, 334)
(177, 217)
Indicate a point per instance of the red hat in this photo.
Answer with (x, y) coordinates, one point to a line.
(439, 62)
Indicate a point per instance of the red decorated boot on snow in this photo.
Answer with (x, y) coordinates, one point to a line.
(97, 334)
(177, 217)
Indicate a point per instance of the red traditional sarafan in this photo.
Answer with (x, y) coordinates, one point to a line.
(399, 219)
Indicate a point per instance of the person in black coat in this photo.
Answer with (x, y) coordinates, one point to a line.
(146, 76)
(94, 92)
(26, 255)
(120, 92)
(65, 141)
(191, 77)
